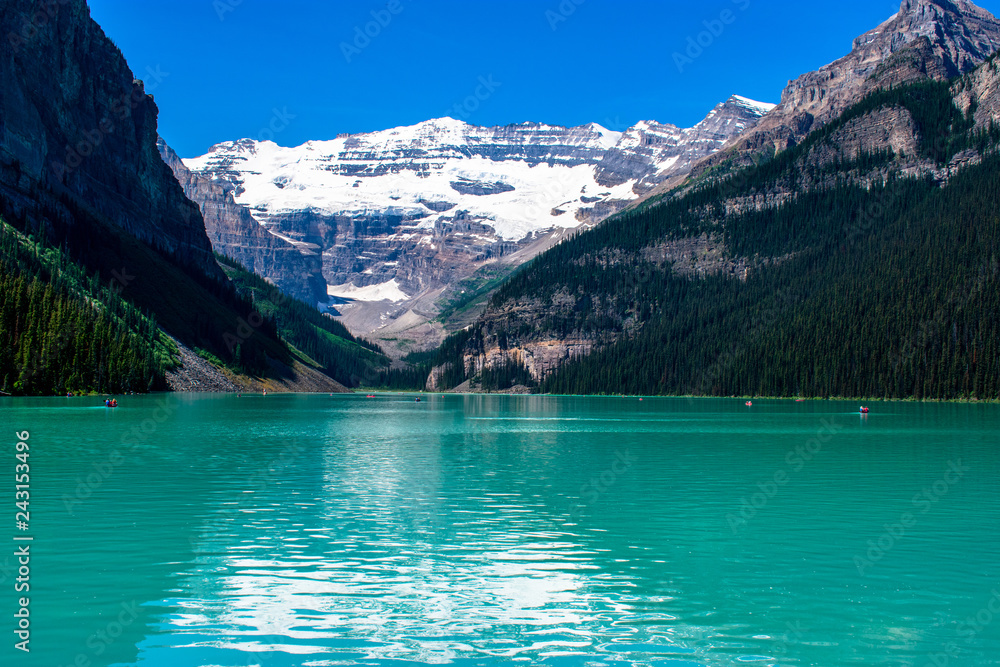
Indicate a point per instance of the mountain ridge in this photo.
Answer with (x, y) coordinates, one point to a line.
(936, 39)
(102, 235)
(230, 226)
(65, 139)
(412, 212)
(589, 311)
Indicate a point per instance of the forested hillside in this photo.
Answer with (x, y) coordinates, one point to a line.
(832, 269)
(93, 319)
(107, 259)
(909, 307)
(63, 331)
(347, 359)
(198, 309)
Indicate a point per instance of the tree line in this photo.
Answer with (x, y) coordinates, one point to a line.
(873, 285)
(62, 332)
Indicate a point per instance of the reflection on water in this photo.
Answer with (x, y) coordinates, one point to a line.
(508, 530)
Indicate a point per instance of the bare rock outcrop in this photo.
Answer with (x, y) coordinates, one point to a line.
(234, 232)
(926, 39)
(981, 90)
(883, 129)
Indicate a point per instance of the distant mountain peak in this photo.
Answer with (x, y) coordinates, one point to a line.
(962, 34)
(416, 210)
(956, 6)
(444, 121)
(908, 6)
(762, 107)
(925, 39)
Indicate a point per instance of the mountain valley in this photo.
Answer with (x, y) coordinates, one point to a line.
(414, 221)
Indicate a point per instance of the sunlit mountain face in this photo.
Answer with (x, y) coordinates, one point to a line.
(402, 217)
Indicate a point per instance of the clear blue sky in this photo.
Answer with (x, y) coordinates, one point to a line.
(219, 68)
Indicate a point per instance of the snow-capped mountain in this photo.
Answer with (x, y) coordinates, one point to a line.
(649, 152)
(425, 173)
(403, 215)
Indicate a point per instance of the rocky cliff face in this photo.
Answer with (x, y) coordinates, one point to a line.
(296, 268)
(517, 331)
(403, 216)
(75, 125)
(981, 92)
(936, 39)
(650, 153)
(540, 355)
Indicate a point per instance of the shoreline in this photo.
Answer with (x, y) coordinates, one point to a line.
(415, 392)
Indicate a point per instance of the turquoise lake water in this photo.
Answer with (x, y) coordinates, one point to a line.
(470, 530)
